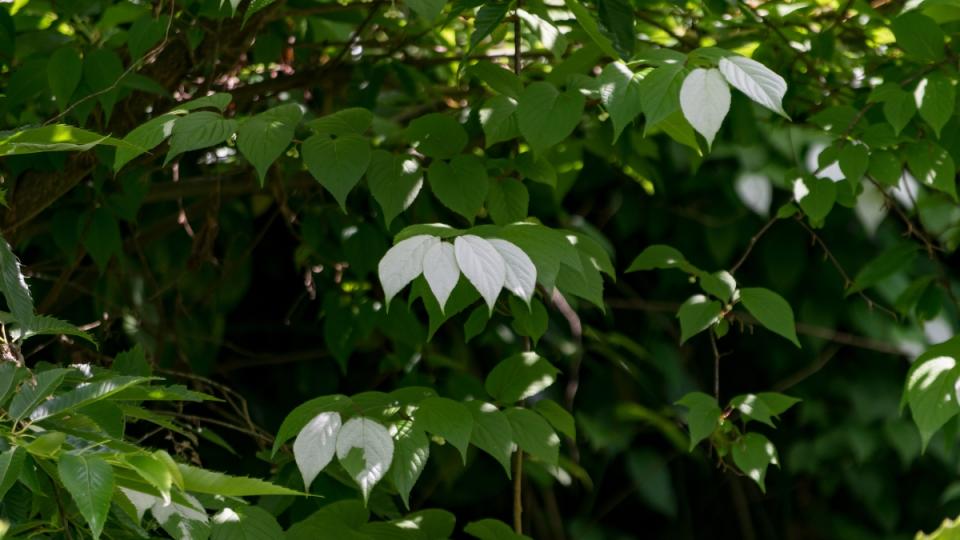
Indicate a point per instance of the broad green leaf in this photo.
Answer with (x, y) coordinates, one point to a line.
(476, 323)
(10, 376)
(64, 71)
(558, 417)
(660, 93)
(617, 21)
(411, 452)
(919, 36)
(720, 284)
(528, 320)
(33, 392)
(816, 196)
(587, 283)
(755, 80)
(448, 419)
(145, 33)
(898, 108)
(14, 286)
(373, 446)
(83, 395)
(752, 454)
(315, 445)
(936, 99)
(697, 314)
(55, 138)
(777, 403)
(483, 266)
(538, 169)
(350, 121)
(853, 161)
(546, 116)
(46, 445)
(102, 238)
(499, 120)
(403, 263)
(520, 376)
(199, 130)
(219, 101)
(703, 416)
(265, 137)
(304, 413)
(200, 480)
(395, 182)
(548, 248)
(89, 480)
(182, 521)
(143, 138)
(933, 167)
(102, 71)
(11, 463)
(491, 432)
(460, 184)
(889, 262)
(771, 310)
(242, 522)
(662, 257)
(437, 135)
(507, 201)
(885, 167)
(498, 78)
(43, 325)
(534, 435)
(621, 95)
(590, 26)
(132, 362)
(432, 523)
(705, 101)
(155, 471)
(428, 9)
(651, 475)
(931, 388)
(338, 164)
(488, 18)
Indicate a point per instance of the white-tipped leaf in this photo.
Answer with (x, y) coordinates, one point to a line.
(403, 263)
(705, 101)
(755, 80)
(441, 271)
(315, 445)
(376, 446)
(482, 264)
(521, 274)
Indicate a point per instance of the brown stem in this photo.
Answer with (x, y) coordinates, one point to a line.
(518, 491)
(753, 242)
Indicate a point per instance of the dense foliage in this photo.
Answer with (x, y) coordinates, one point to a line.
(422, 269)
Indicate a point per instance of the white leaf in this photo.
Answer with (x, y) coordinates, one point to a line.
(482, 264)
(521, 274)
(441, 271)
(871, 208)
(403, 263)
(315, 445)
(756, 81)
(140, 501)
(377, 446)
(163, 512)
(705, 101)
(755, 192)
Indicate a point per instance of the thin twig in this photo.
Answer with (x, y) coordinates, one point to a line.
(518, 491)
(716, 365)
(753, 242)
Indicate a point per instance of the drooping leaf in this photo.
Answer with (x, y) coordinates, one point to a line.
(483, 266)
(919, 36)
(771, 310)
(370, 441)
(316, 445)
(64, 71)
(755, 80)
(534, 435)
(403, 263)
(338, 164)
(931, 388)
(752, 454)
(89, 480)
(263, 138)
(14, 286)
(411, 452)
(703, 416)
(198, 130)
(520, 376)
(705, 101)
(697, 314)
(460, 184)
(491, 432)
(394, 181)
(441, 271)
(660, 93)
(448, 419)
(546, 116)
(558, 417)
(936, 99)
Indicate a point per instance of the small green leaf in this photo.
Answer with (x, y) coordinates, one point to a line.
(771, 310)
(558, 417)
(752, 454)
(14, 286)
(11, 463)
(719, 284)
(437, 135)
(199, 130)
(546, 116)
(816, 196)
(660, 93)
(891, 261)
(497, 77)
(215, 483)
(662, 257)
(492, 529)
(528, 321)
(351, 121)
(395, 182)
(885, 167)
(919, 36)
(507, 201)
(696, 315)
(102, 238)
(933, 167)
(519, 377)
(534, 435)
(64, 71)
(263, 138)
(143, 138)
(930, 388)
(936, 99)
(33, 392)
(499, 120)
(491, 432)
(703, 416)
(300, 416)
(428, 9)
(460, 184)
(448, 419)
(338, 164)
(410, 454)
(621, 95)
(854, 160)
(244, 522)
(898, 108)
(89, 480)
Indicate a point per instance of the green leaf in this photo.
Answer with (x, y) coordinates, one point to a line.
(885, 167)
(410, 455)
(242, 522)
(11, 463)
(55, 138)
(254, 7)
(33, 392)
(587, 283)
(816, 196)
(102, 70)
(219, 101)
(520, 376)
(507, 201)
(930, 388)
(132, 362)
(350, 121)
(499, 121)
(145, 33)
(621, 95)
(936, 99)
(200, 480)
(365, 450)
(534, 435)
(437, 135)
(154, 470)
(752, 454)
(102, 238)
(546, 116)
(338, 164)
(461, 185)
(428, 9)
(64, 71)
(617, 20)
(395, 182)
(528, 321)
(660, 93)
(199, 130)
(697, 314)
(891, 261)
(448, 419)
(43, 325)
(590, 26)
(919, 36)
(719, 284)
(89, 480)
(771, 310)
(933, 167)
(703, 416)
(854, 160)
(651, 475)
(46, 445)
(498, 78)
(14, 286)
(536, 168)
(488, 18)
(265, 137)
(548, 248)
(476, 323)
(143, 138)
(898, 109)
(558, 417)
(82, 396)
(10, 376)
(662, 257)
(491, 432)
(300, 416)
